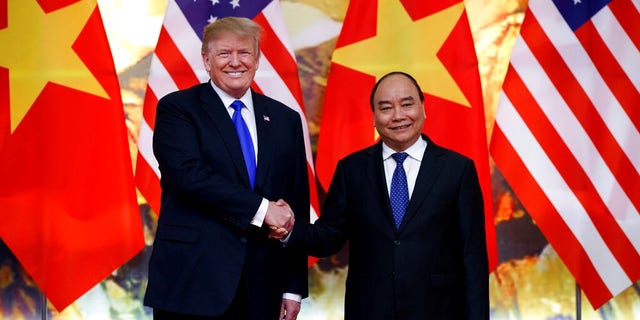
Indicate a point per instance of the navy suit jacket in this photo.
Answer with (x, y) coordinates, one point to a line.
(433, 267)
(204, 239)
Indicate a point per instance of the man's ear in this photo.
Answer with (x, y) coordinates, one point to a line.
(206, 62)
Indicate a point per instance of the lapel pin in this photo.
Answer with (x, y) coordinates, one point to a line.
(266, 118)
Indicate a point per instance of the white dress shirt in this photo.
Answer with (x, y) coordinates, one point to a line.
(411, 164)
(248, 115)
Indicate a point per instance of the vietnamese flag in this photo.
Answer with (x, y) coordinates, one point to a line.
(431, 40)
(68, 207)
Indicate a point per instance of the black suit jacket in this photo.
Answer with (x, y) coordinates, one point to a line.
(204, 239)
(433, 267)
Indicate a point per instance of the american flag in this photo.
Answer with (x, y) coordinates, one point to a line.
(567, 140)
(177, 64)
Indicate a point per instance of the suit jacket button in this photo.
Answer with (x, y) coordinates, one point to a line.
(243, 240)
(396, 242)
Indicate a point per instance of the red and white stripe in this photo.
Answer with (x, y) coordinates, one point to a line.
(567, 139)
(177, 64)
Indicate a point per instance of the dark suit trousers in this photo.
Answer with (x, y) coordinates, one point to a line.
(239, 309)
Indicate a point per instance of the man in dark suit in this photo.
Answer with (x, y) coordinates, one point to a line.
(424, 258)
(212, 258)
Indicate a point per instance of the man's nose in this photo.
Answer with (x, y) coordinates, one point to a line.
(398, 113)
(234, 59)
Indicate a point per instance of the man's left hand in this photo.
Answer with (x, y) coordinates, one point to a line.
(289, 309)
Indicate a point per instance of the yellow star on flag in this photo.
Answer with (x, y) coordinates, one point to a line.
(410, 46)
(37, 49)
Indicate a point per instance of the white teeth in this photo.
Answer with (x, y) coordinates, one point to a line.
(234, 74)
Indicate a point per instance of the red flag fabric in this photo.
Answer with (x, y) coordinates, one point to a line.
(566, 136)
(176, 64)
(68, 203)
(432, 41)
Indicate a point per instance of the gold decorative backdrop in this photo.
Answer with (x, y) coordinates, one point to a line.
(530, 282)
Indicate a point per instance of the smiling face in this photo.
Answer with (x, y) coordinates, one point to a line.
(398, 112)
(231, 61)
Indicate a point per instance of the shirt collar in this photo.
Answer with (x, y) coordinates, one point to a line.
(415, 151)
(227, 99)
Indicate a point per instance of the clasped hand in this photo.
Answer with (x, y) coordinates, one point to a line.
(279, 218)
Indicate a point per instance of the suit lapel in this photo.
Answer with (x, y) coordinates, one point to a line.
(430, 168)
(265, 141)
(217, 111)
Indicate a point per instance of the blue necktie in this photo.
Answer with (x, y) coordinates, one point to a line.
(399, 194)
(245, 140)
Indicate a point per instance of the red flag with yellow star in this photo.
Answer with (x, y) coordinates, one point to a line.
(431, 40)
(67, 198)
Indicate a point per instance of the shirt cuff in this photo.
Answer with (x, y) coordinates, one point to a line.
(258, 218)
(292, 296)
(285, 240)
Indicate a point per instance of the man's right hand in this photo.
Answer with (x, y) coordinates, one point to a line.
(279, 218)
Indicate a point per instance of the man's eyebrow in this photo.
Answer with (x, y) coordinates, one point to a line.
(407, 98)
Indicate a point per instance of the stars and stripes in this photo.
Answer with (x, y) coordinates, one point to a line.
(177, 64)
(567, 140)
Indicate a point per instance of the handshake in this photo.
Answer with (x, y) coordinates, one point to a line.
(279, 218)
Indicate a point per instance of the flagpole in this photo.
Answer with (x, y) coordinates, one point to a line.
(43, 303)
(578, 302)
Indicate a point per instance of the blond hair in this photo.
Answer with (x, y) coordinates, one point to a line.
(235, 25)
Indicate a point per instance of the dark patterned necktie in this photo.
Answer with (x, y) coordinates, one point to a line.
(399, 193)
